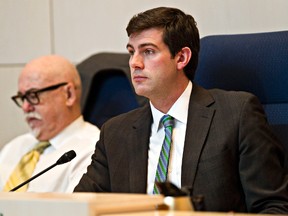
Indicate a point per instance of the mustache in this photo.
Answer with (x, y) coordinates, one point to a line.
(35, 115)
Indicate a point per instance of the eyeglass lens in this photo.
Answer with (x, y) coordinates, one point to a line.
(32, 96)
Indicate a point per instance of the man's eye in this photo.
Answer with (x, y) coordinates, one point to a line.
(149, 52)
(32, 96)
(131, 52)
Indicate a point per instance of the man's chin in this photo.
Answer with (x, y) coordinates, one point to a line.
(35, 132)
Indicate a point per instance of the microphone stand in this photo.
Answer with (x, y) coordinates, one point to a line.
(28, 180)
(68, 156)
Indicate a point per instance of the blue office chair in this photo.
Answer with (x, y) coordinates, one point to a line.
(107, 89)
(257, 63)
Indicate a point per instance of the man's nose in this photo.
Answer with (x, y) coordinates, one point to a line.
(136, 61)
(26, 106)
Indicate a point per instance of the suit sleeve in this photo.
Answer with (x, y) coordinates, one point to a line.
(97, 178)
(261, 162)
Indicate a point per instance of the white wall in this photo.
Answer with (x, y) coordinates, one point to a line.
(78, 28)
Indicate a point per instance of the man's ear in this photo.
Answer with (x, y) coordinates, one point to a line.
(70, 94)
(183, 57)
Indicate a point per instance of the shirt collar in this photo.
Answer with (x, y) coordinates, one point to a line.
(178, 111)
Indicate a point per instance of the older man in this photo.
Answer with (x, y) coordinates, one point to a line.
(49, 91)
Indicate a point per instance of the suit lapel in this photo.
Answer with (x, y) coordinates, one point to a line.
(198, 124)
(138, 154)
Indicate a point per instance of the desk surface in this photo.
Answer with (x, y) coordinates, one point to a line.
(90, 204)
(183, 213)
(76, 204)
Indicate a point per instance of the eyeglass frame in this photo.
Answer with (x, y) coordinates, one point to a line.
(35, 93)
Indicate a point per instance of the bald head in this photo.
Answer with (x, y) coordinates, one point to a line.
(51, 69)
(57, 107)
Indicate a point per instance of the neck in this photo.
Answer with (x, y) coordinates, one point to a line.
(165, 102)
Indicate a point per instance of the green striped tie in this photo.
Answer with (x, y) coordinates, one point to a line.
(162, 168)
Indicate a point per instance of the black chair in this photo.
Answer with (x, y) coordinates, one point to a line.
(107, 89)
(257, 63)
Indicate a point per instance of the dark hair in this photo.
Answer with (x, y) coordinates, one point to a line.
(179, 30)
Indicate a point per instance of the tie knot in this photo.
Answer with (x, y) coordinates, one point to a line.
(41, 146)
(167, 121)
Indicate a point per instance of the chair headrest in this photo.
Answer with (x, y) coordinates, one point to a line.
(255, 62)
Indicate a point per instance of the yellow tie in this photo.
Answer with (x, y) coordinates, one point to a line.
(25, 167)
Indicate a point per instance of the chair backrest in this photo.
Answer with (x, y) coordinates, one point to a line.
(106, 87)
(257, 63)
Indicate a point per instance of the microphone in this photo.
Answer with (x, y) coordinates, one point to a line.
(68, 156)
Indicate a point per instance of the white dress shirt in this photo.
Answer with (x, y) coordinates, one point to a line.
(179, 111)
(79, 136)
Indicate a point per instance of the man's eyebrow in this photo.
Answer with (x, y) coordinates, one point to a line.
(141, 45)
(129, 46)
(28, 91)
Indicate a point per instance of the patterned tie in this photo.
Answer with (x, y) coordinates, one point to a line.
(25, 167)
(162, 168)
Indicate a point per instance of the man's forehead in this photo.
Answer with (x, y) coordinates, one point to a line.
(33, 80)
(150, 37)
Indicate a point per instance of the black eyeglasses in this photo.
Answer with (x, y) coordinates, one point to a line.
(32, 95)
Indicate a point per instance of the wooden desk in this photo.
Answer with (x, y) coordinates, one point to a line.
(76, 204)
(183, 213)
(91, 204)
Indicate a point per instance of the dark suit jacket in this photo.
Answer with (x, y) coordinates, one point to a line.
(230, 155)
